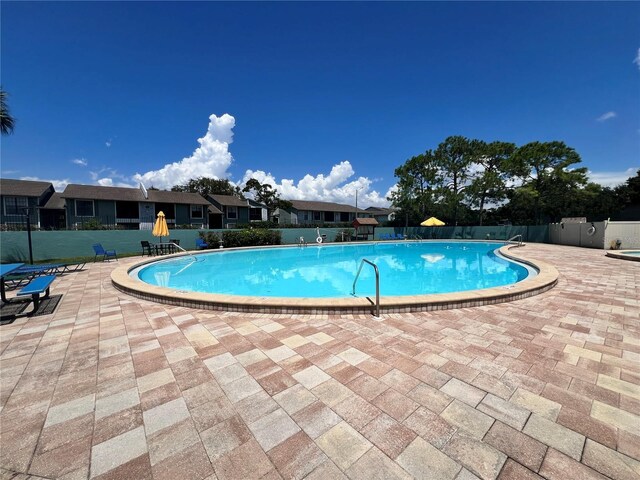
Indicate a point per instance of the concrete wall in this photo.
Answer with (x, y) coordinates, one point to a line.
(578, 234)
(627, 232)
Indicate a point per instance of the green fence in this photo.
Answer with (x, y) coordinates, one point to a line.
(66, 244)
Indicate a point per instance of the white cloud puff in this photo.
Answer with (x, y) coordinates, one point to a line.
(211, 159)
(612, 179)
(80, 161)
(606, 116)
(333, 187)
(637, 59)
(58, 185)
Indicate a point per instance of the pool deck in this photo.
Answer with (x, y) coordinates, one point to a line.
(114, 387)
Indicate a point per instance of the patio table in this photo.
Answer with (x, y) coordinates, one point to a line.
(6, 269)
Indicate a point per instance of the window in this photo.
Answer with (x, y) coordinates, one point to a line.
(344, 216)
(255, 214)
(84, 208)
(196, 211)
(127, 210)
(15, 205)
(304, 216)
(328, 217)
(316, 216)
(232, 212)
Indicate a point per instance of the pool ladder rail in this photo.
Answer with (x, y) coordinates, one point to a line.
(185, 251)
(517, 243)
(375, 268)
(301, 242)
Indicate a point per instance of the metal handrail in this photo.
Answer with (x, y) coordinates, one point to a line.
(375, 268)
(512, 239)
(185, 251)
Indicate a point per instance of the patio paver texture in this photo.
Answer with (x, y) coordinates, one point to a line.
(112, 387)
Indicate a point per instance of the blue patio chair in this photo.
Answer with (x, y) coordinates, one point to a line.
(201, 244)
(400, 236)
(106, 254)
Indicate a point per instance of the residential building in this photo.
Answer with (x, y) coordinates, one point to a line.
(236, 211)
(304, 212)
(21, 196)
(133, 208)
(53, 213)
(382, 215)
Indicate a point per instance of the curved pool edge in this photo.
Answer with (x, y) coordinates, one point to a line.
(546, 278)
(622, 255)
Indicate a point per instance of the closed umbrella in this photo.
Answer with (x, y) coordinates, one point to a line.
(160, 228)
(432, 222)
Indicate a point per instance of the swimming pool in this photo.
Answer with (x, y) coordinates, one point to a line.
(444, 259)
(633, 255)
(328, 271)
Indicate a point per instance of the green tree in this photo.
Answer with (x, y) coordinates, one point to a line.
(208, 186)
(417, 188)
(629, 192)
(550, 182)
(495, 169)
(7, 122)
(454, 157)
(267, 195)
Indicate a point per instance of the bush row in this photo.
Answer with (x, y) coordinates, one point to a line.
(242, 238)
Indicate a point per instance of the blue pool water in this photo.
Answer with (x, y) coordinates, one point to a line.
(325, 271)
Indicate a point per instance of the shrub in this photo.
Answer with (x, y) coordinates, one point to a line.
(251, 237)
(344, 235)
(212, 239)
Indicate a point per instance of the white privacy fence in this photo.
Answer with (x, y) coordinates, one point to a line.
(596, 234)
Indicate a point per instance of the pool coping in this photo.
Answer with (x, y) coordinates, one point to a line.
(621, 254)
(546, 278)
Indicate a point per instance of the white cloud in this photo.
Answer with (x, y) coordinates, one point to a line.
(79, 161)
(606, 116)
(108, 143)
(637, 59)
(211, 159)
(58, 185)
(108, 177)
(612, 179)
(333, 187)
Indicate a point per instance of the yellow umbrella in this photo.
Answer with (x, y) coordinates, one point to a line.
(432, 222)
(160, 229)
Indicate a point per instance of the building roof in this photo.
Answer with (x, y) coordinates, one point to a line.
(380, 210)
(324, 206)
(56, 202)
(96, 192)
(365, 221)
(229, 200)
(23, 188)
(163, 196)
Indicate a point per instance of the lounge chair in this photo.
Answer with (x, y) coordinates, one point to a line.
(201, 244)
(106, 254)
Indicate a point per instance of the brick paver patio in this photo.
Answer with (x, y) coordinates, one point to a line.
(114, 387)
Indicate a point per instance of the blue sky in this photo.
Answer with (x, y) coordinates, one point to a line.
(319, 99)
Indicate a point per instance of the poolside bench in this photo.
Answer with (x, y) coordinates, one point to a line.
(35, 288)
